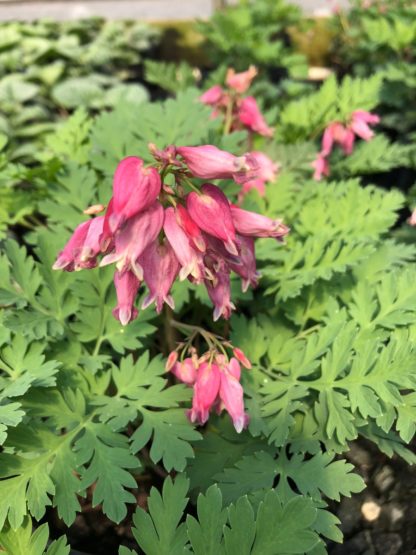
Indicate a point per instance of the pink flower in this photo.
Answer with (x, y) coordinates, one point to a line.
(360, 124)
(251, 117)
(219, 291)
(218, 385)
(91, 246)
(266, 172)
(334, 133)
(171, 360)
(321, 166)
(232, 395)
(107, 235)
(240, 82)
(246, 268)
(412, 220)
(209, 162)
(185, 371)
(206, 389)
(212, 96)
(267, 169)
(82, 248)
(256, 225)
(190, 228)
(211, 212)
(130, 242)
(160, 268)
(337, 133)
(135, 188)
(190, 260)
(256, 184)
(127, 286)
(241, 357)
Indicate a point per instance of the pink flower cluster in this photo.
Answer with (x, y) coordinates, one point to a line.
(239, 112)
(344, 136)
(154, 232)
(216, 384)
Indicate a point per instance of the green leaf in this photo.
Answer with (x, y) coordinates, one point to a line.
(205, 533)
(10, 415)
(251, 473)
(108, 459)
(157, 532)
(239, 536)
(78, 91)
(142, 389)
(284, 529)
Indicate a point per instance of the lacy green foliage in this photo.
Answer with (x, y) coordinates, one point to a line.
(76, 436)
(169, 76)
(269, 525)
(334, 227)
(377, 156)
(336, 357)
(23, 542)
(303, 119)
(381, 38)
(53, 305)
(263, 24)
(374, 36)
(183, 120)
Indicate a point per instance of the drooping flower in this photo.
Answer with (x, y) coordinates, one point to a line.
(321, 166)
(238, 111)
(210, 162)
(127, 286)
(91, 245)
(219, 291)
(267, 169)
(135, 188)
(255, 225)
(343, 135)
(190, 259)
(80, 251)
(232, 395)
(211, 212)
(360, 122)
(160, 268)
(196, 235)
(266, 173)
(336, 133)
(214, 377)
(131, 241)
(240, 82)
(412, 220)
(190, 228)
(212, 96)
(246, 266)
(206, 388)
(250, 116)
(185, 371)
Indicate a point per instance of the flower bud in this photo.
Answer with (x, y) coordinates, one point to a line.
(241, 357)
(171, 360)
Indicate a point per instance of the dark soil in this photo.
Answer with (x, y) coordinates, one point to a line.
(391, 491)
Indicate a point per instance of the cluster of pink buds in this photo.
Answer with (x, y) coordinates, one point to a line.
(238, 111)
(214, 376)
(154, 231)
(344, 136)
(267, 173)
